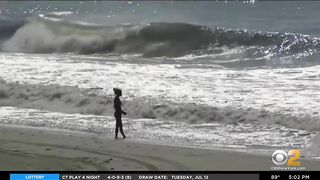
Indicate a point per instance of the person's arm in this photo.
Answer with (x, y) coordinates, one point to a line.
(123, 112)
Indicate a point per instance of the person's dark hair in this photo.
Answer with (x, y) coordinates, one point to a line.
(117, 91)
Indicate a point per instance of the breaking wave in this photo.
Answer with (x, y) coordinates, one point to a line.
(51, 34)
(73, 100)
(9, 27)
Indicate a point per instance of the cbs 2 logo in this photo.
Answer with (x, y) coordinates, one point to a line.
(280, 157)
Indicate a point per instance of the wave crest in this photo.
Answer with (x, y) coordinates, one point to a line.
(73, 100)
(45, 35)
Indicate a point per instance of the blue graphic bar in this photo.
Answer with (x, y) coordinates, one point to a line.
(34, 176)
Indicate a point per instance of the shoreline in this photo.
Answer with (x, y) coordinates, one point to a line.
(30, 148)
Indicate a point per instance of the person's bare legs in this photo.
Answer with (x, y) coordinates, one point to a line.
(116, 132)
(121, 131)
(118, 123)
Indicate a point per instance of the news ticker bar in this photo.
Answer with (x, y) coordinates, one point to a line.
(297, 175)
(133, 176)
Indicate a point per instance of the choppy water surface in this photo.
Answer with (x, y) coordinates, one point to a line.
(242, 137)
(218, 74)
(292, 91)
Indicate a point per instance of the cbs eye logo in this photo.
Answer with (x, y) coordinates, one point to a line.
(280, 158)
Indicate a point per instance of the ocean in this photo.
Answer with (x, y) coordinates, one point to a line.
(233, 75)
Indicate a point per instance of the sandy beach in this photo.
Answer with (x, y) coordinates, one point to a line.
(41, 149)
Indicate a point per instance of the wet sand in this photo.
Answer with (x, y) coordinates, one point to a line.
(25, 148)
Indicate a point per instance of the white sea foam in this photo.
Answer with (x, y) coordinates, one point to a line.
(242, 137)
(288, 97)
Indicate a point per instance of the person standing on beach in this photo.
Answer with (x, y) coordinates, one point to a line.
(118, 112)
